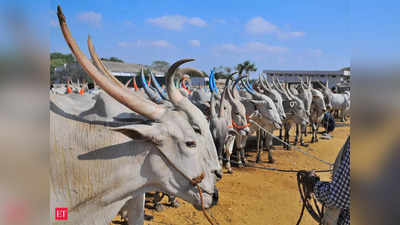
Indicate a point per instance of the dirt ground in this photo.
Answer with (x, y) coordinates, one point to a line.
(255, 196)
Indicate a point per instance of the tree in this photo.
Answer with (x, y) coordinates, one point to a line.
(222, 72)
(161, 66)
(246, 67)
(59, 59)
(113, 59)
(345, 68)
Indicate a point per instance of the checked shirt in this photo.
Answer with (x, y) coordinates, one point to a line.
(337, 192)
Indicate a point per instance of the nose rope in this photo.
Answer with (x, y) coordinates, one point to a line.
(195, 182)
(202, 206)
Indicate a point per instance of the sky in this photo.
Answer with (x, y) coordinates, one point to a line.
(287, 35)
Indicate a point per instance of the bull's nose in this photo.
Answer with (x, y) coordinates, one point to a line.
(215, 197)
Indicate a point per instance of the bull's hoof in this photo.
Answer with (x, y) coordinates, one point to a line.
(148, 217)
(240, 165)
(230, 171)
(175, 204)
(158, 207)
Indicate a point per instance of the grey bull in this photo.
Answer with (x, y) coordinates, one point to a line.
(96, 168)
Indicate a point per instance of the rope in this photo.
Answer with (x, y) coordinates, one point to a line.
(195, 182)
(294, 147)
(279, 170)
(305, 196)
(202, 206)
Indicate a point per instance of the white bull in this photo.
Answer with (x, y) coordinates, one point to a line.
(95, 169)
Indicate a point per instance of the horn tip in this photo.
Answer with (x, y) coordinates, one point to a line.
(60, 14)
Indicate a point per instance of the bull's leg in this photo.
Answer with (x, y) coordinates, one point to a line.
(136, 210)
(238, 141)
(220, 152)
(305, 131)
(287, 129)
(313, 132)
(280, 133)
(297, 134)
(303, 128)
(158, 196)
(259, 146)
(343, 115)
(229, 148)
(243, 155)
(269, 145)
(172, 201)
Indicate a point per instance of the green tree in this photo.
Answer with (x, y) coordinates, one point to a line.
(246, 67)
(160, 65)
(59, 59)
(113, 59)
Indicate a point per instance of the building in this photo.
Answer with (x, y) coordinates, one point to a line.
(339, 77)
(122, 71)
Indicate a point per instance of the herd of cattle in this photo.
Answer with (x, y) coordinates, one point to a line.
(112, 144)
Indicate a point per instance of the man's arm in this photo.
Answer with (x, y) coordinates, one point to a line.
(337, 192)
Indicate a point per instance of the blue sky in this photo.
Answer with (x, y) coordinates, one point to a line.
(310, 35)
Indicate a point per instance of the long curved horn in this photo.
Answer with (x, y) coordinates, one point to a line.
(158, 87)
(237, 80)
(153, 96)
(264, 87)
(288, 91)
(224, 92)
(210, 83)
(212, 106)
(135, 84)
(267, 83)
(127, 83)
(122, 95)
(322, 85)
(174, 95)
(99, 64)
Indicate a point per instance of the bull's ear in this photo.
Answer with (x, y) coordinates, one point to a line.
(142, 132)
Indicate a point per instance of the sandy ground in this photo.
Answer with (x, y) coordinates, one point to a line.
(255, 196)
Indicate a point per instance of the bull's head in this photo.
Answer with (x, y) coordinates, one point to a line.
(180, 133)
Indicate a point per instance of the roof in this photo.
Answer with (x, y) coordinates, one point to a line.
(307, 72)
(125, 69)
(116, 68)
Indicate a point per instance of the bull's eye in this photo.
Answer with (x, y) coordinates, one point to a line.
(196, 129)
(191, 144)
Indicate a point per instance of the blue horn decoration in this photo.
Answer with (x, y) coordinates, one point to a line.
(153, 96)
(245, 85)
(162, 92)
(210, 83)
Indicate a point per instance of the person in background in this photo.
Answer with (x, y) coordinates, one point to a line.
(328, 122)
